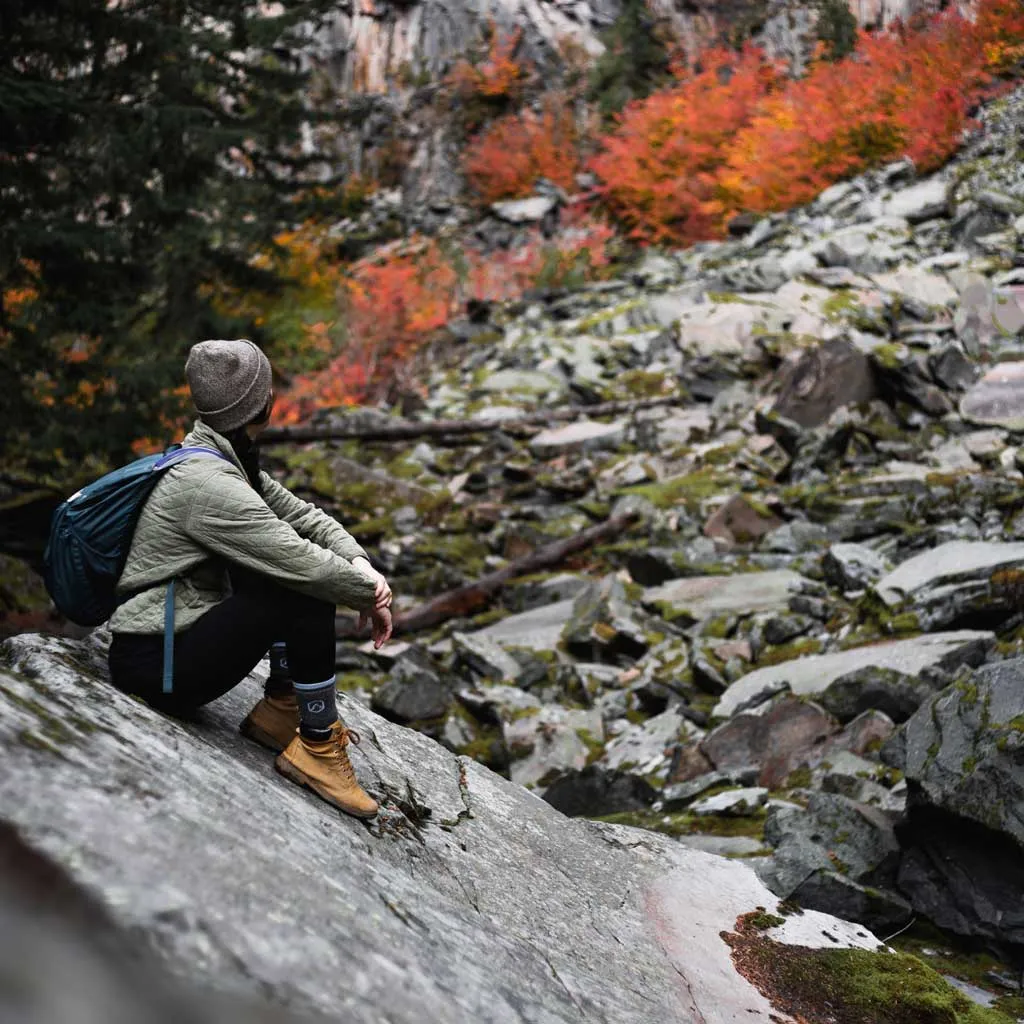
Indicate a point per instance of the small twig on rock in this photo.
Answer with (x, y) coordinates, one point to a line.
(900, 932)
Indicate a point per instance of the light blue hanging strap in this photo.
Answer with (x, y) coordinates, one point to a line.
(169, 638)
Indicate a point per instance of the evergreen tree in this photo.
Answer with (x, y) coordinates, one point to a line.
(148, 149)
(837, 28)
(635, 61)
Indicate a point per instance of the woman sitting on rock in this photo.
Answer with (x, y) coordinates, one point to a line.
(255, 569)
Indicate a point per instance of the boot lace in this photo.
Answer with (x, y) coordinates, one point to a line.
(339, 755)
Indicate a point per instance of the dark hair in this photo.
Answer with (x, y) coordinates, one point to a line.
(263, 416)
(248, 452)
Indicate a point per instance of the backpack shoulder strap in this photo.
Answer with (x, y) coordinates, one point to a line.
(172, 458)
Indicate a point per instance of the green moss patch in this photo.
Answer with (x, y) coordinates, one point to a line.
(956, 957)
(850, 986)
(787, 652)
(684, 824)
(689, 490)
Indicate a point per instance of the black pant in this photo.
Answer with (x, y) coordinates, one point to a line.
(223, 646)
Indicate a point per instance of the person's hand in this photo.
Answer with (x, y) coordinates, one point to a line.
(382, 594)
(380, 623)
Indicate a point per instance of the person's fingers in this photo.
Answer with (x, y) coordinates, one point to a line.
(382, 628)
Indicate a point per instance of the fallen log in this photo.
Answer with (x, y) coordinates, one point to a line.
(471, 597)
(404, 430)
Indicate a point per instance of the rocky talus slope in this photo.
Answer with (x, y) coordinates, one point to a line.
(831, 536)
(800, 670)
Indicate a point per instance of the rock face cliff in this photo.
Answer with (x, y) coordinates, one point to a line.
(468, 900)
(376, 46)
(384, 60)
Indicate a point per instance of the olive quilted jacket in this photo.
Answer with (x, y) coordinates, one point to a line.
(202, 515)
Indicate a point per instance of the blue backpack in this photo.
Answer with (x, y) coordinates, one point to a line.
(90, 535)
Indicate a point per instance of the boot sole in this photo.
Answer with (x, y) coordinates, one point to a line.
(299, 777)
(263, 738)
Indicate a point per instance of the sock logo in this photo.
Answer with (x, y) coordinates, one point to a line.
(314, 707)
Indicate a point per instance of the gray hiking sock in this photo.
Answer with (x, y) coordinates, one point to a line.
(318, 709)
(278, 684)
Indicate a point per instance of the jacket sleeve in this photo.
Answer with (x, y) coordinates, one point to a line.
(227, 517)
(309, 521)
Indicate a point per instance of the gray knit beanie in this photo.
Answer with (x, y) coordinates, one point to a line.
(230, 382)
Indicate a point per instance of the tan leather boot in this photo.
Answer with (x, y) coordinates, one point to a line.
(326, 769)
(273, 722)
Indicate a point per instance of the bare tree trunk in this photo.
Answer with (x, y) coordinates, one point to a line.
(404, 430)
(472, 597)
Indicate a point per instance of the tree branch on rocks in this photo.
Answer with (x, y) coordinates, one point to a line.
(403, 430)
(471, 597)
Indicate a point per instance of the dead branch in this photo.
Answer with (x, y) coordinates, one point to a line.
(404, 430)
(471, 597)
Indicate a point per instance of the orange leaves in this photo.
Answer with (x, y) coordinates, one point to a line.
(498, 77)
(905, 93)
(1000, 26)
(391, 302)
(505, 160)
(660, 166)
(397, 298)
(736, 135)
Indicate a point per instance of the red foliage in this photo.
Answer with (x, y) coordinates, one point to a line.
(398, 298)
(505, 160)
(660, 165)
(1000, 25)
(736, 135)
(904, 93)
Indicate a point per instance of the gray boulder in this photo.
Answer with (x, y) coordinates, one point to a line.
(919, 202)
(963, 862)
(824, 379)
(414, 690)
(582, 436)
(704, 597)
(463, 901)
(52, 928)
(732, 803)
(680, 794)
(959, 578)
(964, 748)
(874, 687)
(485, 657)
(836, 853)
(545, 742)
(997, 399)
(538, 629)
(852, 566)
(645, 746)
(604, 625)
(814, 673)
(524, 211)
(593, 791)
